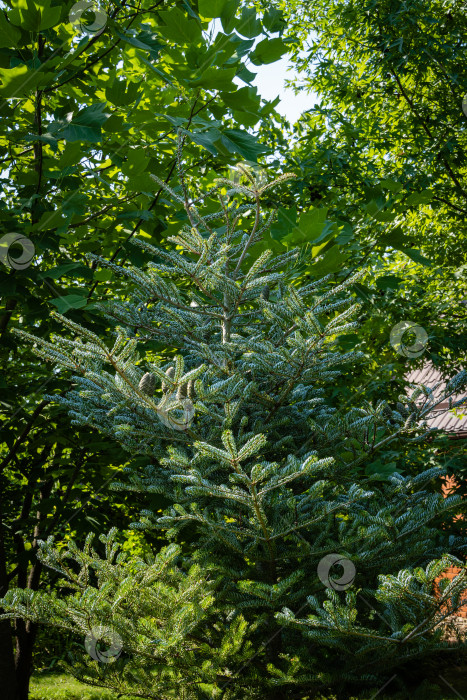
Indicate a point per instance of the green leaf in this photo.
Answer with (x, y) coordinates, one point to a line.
(51, 220)
(274, 21)
(391, 185)
(69, 301)
(285, 223)
(215, 78)
(20, 81)
(207, 139)
(419, 198)
(156, 70)
(121, 93)
(246, 75)
(394, 239)
(346, 233)
(228, 18)
(313, 227)
(385, 216)
(56, 272)
(245, 99)
(373, 207)
(381, 470)
(144, 40)
(9, 34)
(268, 51)
(86, 125)
(242, 142)
(50, 16)
(388, 282)
(35, 16)
(103, 275)
(248, 24)
(136, 163)
(178, 27)
(332, 261)
(417, 257)
(212, 8)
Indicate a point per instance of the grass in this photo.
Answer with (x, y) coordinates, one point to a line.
(60, 686)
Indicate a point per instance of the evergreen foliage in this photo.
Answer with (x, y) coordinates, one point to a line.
(264, 479)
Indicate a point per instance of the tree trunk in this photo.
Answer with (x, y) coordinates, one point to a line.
(26, 631)
(26, 635)
(7, 661)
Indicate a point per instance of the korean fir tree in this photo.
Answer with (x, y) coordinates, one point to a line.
(264, 480)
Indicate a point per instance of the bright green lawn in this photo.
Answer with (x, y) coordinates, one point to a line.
(63, 687)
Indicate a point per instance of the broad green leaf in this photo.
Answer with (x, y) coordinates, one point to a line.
(248, 24)
(419, 198)
(417, 257)
(103, 275)
(34, 16)
(207, 139)
(388, 282)
(121, 93)
(20, 81)
(395, 239)
(86, 125)
(143, 214)
(374, 206)
(245, 99)
(216, 79)
(69, 301)
(51, 220)
(156, 71)
(178, 27)
(242, 142)
(56, 272)
(333, 260)
(285, 223)
(9, 34)
(312, 227)
(212, 8)
(268, 51)
(346, 234)
(143, 40)
(50, 16)
(228, 18)
(246, 75)
(381, 469)
(274, 21)
(136, 163)
(385, 216)
(242, 46)
(391, 185)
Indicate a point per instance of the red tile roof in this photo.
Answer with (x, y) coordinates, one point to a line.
(441, 418)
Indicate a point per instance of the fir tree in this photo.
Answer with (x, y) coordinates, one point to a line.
(265, 478)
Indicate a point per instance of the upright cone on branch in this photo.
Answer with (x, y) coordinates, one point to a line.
(182, 392)
(147, 384)
(169, 373)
